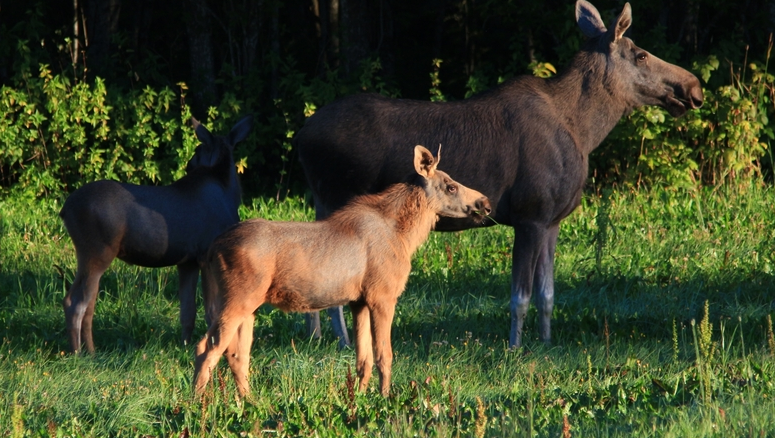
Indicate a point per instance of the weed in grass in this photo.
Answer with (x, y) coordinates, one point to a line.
(481, 419)
(603, 225)
(705, 349)
(676, 349)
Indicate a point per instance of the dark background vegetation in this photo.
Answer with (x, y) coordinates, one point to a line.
(281, 59)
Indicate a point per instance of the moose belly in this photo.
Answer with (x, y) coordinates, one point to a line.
(314, 279)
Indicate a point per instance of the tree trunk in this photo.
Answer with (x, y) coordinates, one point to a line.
(101, 24)
(689, 26)
(385, 42)
(355, 34)
(274, 90)
(202, 61)
(334, 48)
(141, 24)
(250, 35)
(322, 9)
(75, 53)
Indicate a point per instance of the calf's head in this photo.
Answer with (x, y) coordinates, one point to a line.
(634, 75)
(216, 149)
(450, 198)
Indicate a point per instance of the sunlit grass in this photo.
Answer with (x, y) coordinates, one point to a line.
(622, 362)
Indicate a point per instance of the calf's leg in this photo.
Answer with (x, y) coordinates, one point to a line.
(187, 276)
(238, 354)
(210, 349)
(381, 322)
(364, 354)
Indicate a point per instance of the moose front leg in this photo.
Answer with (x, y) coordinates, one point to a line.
(528, 239)
(188, 273)
(381, 322)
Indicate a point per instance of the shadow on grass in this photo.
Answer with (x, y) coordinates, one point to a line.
(465, 305)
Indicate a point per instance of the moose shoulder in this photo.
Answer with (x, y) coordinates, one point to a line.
(524, 144)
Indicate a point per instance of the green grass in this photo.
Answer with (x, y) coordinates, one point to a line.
(633, 353)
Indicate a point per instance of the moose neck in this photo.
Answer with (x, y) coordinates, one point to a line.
(407, 207)
(588, 97)
(232, 185)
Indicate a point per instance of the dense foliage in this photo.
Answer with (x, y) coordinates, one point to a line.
(124, 116)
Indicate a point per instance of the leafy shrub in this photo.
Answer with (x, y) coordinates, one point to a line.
(58, 131)
(723, 140)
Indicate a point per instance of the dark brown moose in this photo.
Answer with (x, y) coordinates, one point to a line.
(360, 255)
(524, 144)
(152, 226)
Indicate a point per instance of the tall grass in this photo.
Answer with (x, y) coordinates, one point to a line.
(624, 359)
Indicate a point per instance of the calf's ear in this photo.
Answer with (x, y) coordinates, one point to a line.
(424, 163)
(240, 130)
(201, 132)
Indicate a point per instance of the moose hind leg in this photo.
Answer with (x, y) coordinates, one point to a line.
(364, 353)
(339, 326)
(313, 324)
(544, 283)
(188, 273)
(238, 355)
(80, 301)
(210, 349)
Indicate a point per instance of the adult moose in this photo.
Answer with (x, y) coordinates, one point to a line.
(360, 255)
(152, 226)
(524, 144)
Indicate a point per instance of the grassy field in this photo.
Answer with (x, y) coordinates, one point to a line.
(662, 327)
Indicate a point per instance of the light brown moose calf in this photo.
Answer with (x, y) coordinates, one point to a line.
(360, 255)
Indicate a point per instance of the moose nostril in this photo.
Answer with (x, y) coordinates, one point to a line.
(483, 204)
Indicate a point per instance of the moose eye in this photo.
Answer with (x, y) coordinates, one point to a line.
(451, 189)
(641, 56)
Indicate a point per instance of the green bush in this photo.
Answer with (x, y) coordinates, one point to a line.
(720, 142)
(58, 131)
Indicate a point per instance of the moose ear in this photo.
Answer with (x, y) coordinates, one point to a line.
(201, 131)
(588, 19)
(622, 23)
(424, 163)
(241, 130)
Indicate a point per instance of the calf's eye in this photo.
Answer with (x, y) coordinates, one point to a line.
(451, 189)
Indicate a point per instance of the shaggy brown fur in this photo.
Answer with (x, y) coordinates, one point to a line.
(359, 256)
